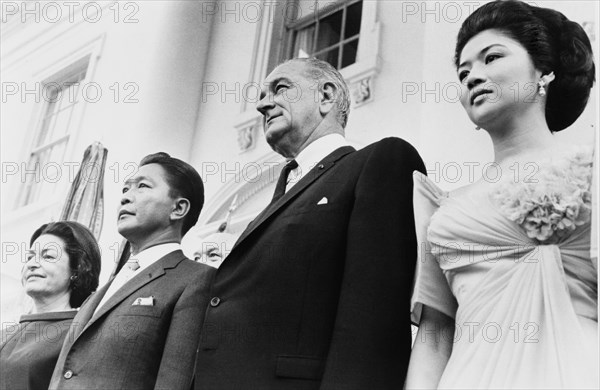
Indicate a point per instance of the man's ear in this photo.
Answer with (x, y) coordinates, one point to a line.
(180, 209)
(328, 96)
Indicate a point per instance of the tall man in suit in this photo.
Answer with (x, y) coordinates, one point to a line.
(141, 330)
(315, 294)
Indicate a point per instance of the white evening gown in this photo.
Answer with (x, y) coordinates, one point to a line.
(512, 267)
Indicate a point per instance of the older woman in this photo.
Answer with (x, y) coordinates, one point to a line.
(62, 270)
(505, 292)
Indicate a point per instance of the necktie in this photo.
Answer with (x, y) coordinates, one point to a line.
(120, 279)
(282, 182)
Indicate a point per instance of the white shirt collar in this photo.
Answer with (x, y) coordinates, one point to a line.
(316, 151)
(145, 258)
(149, 256)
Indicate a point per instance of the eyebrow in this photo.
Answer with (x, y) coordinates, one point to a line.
(214, 250)
(45, 251)
(274, 82)
(211, 246)
(484, 50)
(136, 180)
(32, 252)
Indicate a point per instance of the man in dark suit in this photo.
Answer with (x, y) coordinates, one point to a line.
(141, 330)
(315, 294)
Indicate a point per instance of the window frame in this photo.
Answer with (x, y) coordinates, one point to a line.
(269, 50)
(27, 194)
(292, 28)
(59, 59)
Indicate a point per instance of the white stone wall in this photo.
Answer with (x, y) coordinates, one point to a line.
(172, 51)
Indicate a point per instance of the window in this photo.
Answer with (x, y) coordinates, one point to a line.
(61, 97)
(329, 31)
(344, 32)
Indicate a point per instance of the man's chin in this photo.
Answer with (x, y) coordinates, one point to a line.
(275, 131)
(124, 229)
(275, 137)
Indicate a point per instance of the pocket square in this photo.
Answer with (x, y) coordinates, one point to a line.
(323, 201)
(143, 301)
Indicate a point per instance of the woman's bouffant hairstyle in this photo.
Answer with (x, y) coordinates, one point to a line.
(554, 43)
(84, 257)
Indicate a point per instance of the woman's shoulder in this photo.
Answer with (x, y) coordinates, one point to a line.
(50, 316)
(564, 170)
(568, 158)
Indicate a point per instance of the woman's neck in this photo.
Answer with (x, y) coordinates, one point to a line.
(516, 141)
(54, 303)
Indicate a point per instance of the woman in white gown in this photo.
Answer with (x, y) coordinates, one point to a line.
(505, 292)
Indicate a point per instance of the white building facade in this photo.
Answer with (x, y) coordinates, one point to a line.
(183, 77)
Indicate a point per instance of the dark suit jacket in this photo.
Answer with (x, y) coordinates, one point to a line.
(317, 296)
(127, 346)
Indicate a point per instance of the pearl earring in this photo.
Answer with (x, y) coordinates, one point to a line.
(542, 87)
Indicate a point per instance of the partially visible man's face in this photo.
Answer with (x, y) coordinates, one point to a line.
(214, 248)
(146, 204)
(290, 107)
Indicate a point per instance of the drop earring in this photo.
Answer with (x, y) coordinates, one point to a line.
(543, 82)
(542, 87)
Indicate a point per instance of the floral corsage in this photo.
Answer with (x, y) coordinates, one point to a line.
(554, 202)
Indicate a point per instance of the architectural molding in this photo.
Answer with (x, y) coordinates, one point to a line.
(361, 91)
(360, 75)
(250, 200)
(248, 126)
(86, 53)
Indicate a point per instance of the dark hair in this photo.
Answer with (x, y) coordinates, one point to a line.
(554, 43)
(184, 181)
(84, 257)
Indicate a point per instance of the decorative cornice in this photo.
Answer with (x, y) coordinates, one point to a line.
(361, 91)
(217, 206)
(360, 75)
(248, 125)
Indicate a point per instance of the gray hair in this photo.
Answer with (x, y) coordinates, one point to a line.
(321, 71)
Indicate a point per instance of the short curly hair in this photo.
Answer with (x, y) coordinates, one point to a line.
(84, 257)
(554, 43)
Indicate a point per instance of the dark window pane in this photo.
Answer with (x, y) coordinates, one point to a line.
(330, 31)
(303, 44)
(330, 56)
(353, 16)
(350, 50)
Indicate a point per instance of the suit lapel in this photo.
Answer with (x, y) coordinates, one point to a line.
(146, 276)
(306, 181)
(87, 311)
